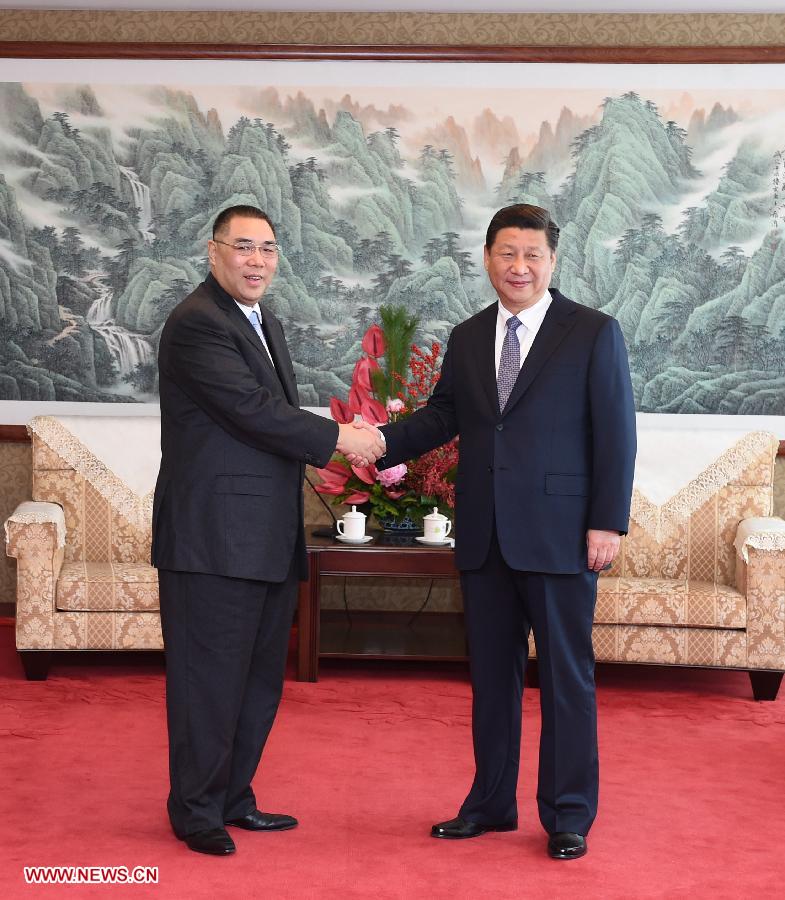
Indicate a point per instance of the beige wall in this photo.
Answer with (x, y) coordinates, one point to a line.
(527, 29)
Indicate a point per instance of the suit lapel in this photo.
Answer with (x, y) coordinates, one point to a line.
(230, 308)
(486, 353)
(555, 326)
(280, 354)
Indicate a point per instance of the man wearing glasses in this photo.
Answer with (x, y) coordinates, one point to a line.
(228, 528)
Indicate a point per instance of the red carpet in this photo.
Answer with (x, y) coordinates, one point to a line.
(691, 802)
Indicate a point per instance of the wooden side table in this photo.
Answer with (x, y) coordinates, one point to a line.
(374, 635)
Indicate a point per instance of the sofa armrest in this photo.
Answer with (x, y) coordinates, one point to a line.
(35, 536)
(761, 532)
(760, 544)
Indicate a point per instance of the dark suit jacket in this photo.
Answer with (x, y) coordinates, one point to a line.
(560, 458)
(234, 442)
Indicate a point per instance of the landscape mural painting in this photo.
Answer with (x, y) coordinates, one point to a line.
(668, 183)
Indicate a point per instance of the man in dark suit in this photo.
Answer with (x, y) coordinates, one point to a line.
(228, 528)
(538, 389)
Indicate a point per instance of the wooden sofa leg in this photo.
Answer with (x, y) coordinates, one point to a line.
(36, 663)
(765, 684)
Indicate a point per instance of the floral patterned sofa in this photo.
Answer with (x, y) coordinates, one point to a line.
(700, 580)
(84, 579)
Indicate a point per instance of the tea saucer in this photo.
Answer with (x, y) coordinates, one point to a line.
(444, 542)
(363, 540)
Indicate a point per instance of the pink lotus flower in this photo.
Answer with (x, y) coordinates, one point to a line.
(373, 341)
(394, 475)
(395, 405)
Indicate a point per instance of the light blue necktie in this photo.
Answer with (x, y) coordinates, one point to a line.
(256, 322)
(509, 363)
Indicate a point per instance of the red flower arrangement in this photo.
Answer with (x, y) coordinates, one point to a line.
(380, 392)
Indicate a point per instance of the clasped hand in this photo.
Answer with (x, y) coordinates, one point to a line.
(360, 442)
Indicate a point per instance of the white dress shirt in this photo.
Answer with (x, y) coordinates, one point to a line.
(530, 318)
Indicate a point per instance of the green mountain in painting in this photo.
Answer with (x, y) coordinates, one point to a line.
(103, 233)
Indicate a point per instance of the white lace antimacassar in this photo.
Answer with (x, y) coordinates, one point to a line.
(33, 512)
(659, 521)
(766, 540)
(761, 533)
(138, 511)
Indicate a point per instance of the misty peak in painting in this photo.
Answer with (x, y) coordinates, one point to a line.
(671, 202)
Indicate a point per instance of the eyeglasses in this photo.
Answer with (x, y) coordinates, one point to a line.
(268, 249)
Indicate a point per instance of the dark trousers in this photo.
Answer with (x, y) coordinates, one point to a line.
(501, 606)
(226, 641)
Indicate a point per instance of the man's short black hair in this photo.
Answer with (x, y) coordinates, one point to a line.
(224, 217)
(523, 215)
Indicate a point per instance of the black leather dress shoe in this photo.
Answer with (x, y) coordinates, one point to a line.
(261, 821)
(566, 845)
(214, 841)
(459, 828)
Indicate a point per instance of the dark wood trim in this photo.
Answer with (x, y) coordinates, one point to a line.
(14, 434)
(416, 52)
(392, 635)
(308, 623)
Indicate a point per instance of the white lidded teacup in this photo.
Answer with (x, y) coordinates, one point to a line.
(436, 526)
(351, 525)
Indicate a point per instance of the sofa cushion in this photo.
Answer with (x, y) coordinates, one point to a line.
(108, 631)
(726, 647)
(662, 601)
(107, 586)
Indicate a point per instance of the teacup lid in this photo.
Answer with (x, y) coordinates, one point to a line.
(435, 515)
(354, 514)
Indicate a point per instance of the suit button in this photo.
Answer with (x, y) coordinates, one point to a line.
(500, 427)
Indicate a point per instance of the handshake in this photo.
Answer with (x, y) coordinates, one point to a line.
(360, 442)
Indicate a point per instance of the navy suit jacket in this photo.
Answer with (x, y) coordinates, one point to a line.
(234, 444)
(558, 461)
